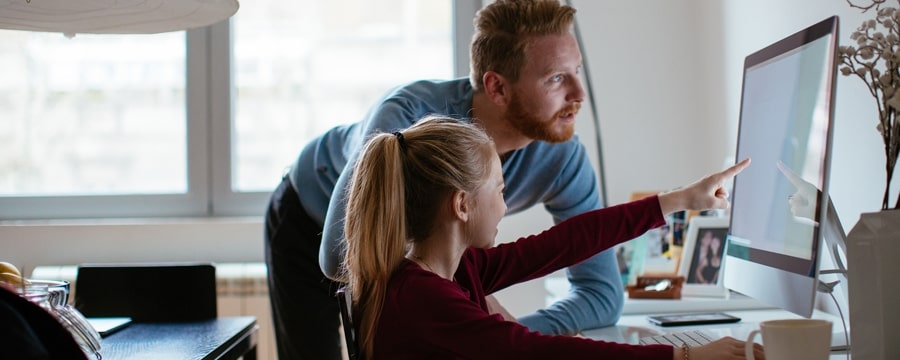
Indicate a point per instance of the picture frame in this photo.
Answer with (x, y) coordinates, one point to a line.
(703, 255)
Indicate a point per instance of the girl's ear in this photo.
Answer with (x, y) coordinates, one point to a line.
(496, 88)
(460, 205)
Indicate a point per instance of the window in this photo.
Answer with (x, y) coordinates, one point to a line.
(202, 122)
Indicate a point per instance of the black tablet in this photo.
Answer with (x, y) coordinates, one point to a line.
(692, 319)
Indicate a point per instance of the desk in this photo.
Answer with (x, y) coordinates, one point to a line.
(225, 338)
(631, 328)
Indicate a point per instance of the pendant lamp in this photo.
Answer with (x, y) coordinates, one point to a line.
(112, 16)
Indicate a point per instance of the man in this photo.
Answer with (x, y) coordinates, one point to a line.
(524, 89)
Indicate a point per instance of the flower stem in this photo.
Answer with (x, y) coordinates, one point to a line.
(887, 193)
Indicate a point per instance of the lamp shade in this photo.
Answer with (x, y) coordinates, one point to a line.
(113, 16)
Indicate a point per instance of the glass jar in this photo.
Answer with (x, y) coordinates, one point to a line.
(53, 296)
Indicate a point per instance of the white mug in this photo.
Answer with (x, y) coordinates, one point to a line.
(793, 339)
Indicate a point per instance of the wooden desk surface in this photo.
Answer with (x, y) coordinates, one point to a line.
(221, 338)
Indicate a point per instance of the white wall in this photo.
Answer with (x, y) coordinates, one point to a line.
(649, 82)
(667, 81)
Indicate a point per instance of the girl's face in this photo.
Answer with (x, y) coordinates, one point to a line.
(488, 208)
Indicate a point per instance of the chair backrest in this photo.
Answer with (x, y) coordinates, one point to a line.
(154, 292)
(345, 302)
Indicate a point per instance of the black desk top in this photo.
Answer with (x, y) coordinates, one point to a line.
(221, 338)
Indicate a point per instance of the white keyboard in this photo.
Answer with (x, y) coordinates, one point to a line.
(692, 338)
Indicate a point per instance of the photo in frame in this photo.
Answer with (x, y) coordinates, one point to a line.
(702, 256)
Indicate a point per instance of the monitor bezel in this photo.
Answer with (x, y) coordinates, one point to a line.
(780, 280)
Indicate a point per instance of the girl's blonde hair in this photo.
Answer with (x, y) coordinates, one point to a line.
(399, 182)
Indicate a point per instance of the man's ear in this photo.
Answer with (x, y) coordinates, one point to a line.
(496, 88)
(460, 205)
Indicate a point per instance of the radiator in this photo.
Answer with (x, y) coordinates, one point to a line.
(241, 287)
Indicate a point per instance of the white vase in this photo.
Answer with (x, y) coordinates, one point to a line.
(873, 260)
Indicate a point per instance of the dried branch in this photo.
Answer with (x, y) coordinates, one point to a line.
(874, 59)
(875, 3)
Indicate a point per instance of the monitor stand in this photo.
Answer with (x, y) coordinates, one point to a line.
(835, 239)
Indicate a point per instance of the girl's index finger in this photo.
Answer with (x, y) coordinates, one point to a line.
(736, 168)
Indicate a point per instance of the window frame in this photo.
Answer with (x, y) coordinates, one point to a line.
(209, 111)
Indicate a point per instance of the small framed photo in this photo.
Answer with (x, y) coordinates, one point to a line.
(702, 256)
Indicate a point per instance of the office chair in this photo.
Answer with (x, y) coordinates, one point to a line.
(154, 292)
(345, 302)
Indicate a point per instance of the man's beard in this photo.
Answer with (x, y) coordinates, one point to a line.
(537, 129)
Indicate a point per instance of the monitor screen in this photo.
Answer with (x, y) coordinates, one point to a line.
(785, 128)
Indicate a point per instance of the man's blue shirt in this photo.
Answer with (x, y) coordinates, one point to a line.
(558, 175)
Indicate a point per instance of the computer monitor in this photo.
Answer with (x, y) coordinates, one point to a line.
(777, 207)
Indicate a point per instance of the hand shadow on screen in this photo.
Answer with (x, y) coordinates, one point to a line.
(803, 201)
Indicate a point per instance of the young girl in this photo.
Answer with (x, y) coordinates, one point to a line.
(422, 214)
